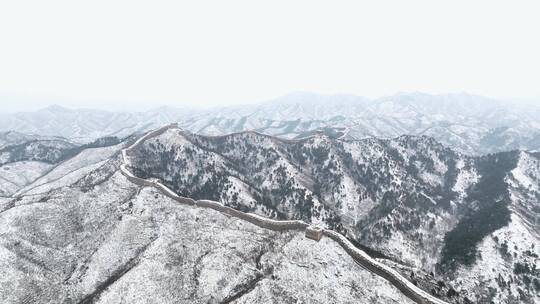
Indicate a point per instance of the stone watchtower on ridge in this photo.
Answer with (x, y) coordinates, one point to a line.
(314, 233)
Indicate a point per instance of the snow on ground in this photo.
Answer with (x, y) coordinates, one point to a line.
(403, 249)
(465, 178)
(74, 167)
(242, 191)
(421, 249)
(65, 180)
(318, 272)
(349, 198)
(213, 257)
(492, 264)
(116, 243)
(527, 171)
(16, 175)
(430, 178)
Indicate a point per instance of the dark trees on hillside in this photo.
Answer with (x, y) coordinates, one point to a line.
(487, 211)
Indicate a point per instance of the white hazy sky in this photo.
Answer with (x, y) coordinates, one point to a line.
(142, 53)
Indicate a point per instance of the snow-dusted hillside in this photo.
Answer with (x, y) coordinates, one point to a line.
(48, 151)
(463, 228)
(71, 170)
(408, 198)
(104, 240)
(466, 123)
(15, 176)
(86, 125)
(10, 138)
(44, 164)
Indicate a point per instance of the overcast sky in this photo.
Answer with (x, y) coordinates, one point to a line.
(117, 54)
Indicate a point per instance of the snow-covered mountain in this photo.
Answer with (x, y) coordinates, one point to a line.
(471, 221)
(10, 138)
(86, 125)
(467, 123)
(75, 230)
(83, 233)
(40, 161)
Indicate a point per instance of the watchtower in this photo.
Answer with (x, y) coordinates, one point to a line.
(314, 233)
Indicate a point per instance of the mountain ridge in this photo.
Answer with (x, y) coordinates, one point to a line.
(402, 197)
(395, 186)
(469, 123)
(101, 239)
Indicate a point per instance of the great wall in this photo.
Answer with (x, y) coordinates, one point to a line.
(359, 256)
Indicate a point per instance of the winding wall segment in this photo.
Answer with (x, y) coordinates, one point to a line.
(363, 259)
(405, 286)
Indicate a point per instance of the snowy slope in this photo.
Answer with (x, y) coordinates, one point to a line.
(104, 241)
(9, 138)
(76, 230)
(15, 176)
(71, 170)
(48, 151)
(33, 161)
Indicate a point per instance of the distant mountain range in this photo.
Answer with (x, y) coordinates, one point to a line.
(467, 123)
